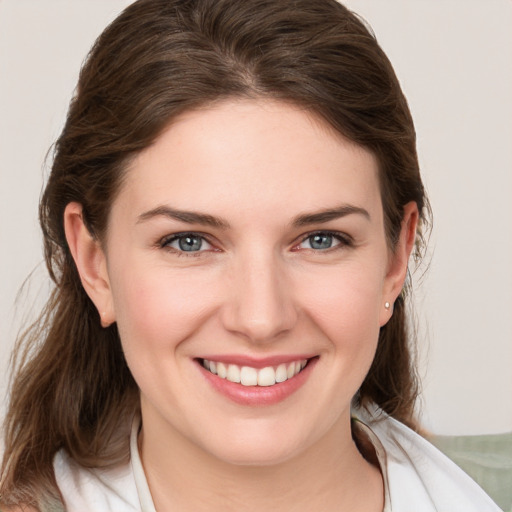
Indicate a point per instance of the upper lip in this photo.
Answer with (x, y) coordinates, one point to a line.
(257, 362)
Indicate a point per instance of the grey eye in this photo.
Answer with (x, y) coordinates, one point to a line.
(190, 243)
(320, 241)
(324, 240)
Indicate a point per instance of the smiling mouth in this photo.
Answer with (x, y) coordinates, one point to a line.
(249, 376)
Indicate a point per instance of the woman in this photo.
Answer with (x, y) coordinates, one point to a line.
(229, 218)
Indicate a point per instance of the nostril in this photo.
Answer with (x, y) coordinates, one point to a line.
(260, 307)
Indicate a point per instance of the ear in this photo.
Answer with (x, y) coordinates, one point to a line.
(90, 260)
(398, 261)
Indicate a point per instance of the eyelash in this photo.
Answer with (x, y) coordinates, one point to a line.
(343, 239)
(165, 242)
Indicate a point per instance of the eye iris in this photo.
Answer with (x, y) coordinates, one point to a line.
(190, 243)
(321, 241)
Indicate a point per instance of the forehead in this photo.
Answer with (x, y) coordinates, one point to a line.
(247, 155)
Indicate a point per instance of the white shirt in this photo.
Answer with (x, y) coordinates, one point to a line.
(417, 477)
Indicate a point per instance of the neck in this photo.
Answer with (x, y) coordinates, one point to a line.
(330, 475)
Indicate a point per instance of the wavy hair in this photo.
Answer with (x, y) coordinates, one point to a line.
(72, 389)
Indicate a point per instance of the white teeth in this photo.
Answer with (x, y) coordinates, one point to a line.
(281, 373)
(233, 373)
(290, 370)
(222, 370)
(266, 376)
(248, 376)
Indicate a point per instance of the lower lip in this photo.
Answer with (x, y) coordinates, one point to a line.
(258, 395)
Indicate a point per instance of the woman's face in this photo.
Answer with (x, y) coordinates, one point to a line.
(249, 237)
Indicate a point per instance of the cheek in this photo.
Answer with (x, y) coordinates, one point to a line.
(346, 306)
(159, 309)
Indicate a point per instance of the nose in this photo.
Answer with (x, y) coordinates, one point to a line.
(260, 306)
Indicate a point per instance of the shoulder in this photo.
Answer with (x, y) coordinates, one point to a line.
(57, 507)
(95, 488)
(18, 508)
(30, 508)
(418, 475)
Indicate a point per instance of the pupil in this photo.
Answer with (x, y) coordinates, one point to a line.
(190, 243)
(321, 241)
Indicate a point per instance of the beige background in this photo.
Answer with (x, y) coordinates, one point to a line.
(454, 61)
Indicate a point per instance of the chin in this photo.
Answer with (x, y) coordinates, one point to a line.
(257, 456)
(268, 446)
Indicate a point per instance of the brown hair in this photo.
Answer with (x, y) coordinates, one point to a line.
(159, 58)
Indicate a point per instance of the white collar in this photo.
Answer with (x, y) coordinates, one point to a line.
(416, 475)
(146, 500)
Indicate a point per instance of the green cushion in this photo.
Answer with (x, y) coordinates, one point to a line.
(487, 459)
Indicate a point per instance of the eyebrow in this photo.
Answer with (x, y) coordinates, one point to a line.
(305, 219)
(328, 215)
(184, 216)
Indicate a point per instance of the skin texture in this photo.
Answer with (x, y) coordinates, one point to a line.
(257, 288)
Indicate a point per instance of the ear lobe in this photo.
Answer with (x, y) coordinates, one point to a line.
(90, 261)
(399, 259)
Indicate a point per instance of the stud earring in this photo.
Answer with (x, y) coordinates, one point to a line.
(387, 305)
